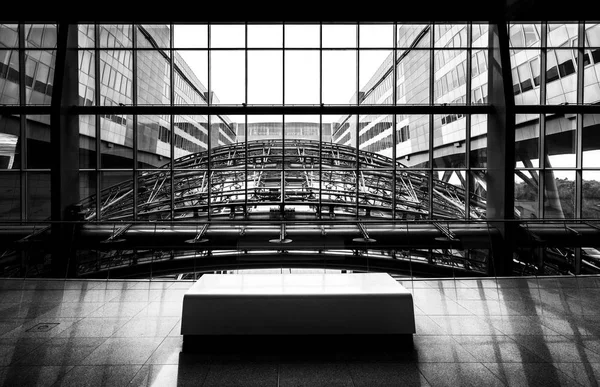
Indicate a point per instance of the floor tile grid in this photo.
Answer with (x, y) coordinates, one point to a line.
(549, 366)
(457, 342)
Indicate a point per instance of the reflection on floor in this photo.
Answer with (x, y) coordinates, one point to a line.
(478, 332)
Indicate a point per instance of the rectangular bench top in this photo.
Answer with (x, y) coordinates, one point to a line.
(327, 284)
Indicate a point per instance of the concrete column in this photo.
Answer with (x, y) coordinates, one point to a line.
(500, 156)
(64, 155)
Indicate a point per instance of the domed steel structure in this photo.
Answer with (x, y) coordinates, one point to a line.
(251, 180)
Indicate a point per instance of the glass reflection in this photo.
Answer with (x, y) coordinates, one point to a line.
(590, 192)
(559, 194)
(591, 140)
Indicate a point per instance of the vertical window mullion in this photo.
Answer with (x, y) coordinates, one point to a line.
(394, 119)
(22, 122)
(283, 128)
(357, 119)
(468, 79)
(135, 122)
(97, 119)
(579, 122)
(431, 116)
(209, 130)
(244, 104)
(542, 117)
(320, 212)
(172, 120)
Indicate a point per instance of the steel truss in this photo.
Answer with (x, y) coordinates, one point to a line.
(284, 176)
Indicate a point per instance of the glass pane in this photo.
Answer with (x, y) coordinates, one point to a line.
(591, 80)
(560, 34)
(153, 78)
(339, 35)
(9, 35)
(190, 36)
(153, 137)
(116, 195)
(263, 36)
(154, 195)
(338, 189)
(479, 35)
(375, 77)
(40, 35)
(527, 136)
(561, 77)
(450, 35)
(524, 35)
(591, 194)
(115, 65)
(116, 36)
(561, 140)
(39, 76)
(265, 77)
(413, 35)
(38, 141)
(191, 78)
(591, 75)
(479, 76)
(302, 84)
(591, 140)
(10, 152)
(344, 138)
(117, 141)
(526, 194)
(478, 194)
(87, 142)
(412, 194)
(87, 192)
(154, 36)
(222, 131)
(38, 195)
(375, 135)
(339, 77)
(449, 133)
(226, 190)
(525, 66)
(87, 78)
(301, 129)
(228, 77)
(86, 36)
(191, 135)
(559, 194)
(449, 196)
(413, 75)
(412, 140)
(449, 72)
(375, 192)
(267, 131)
(191, 187)
(227, 36)
(10, 196)
(302, 36)
(376, 35)
(9, 77)
(478, 157)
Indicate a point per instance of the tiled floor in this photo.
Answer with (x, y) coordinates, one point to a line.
(490, 332)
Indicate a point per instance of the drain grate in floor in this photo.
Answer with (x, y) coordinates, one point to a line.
(42, 327)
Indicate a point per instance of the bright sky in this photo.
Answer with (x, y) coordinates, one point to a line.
(266, 67)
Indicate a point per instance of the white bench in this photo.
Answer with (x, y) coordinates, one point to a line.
(227, 305)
